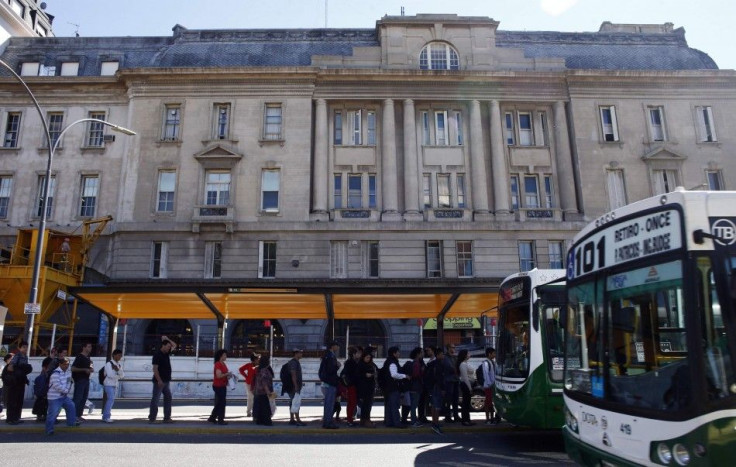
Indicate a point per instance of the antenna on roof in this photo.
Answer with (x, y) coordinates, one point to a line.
(402, 11)
(76, 28)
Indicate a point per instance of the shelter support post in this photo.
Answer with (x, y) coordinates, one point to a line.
(441, 319)
(330, 315)
(112, 335)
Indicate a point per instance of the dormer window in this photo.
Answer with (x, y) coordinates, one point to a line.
(438, 56)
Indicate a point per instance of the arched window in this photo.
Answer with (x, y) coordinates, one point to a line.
(180, 330)
(252, 335)
(438, 56)
(363, 332)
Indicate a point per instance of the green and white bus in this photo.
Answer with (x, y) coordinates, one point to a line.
(530, 349)
(650, 350)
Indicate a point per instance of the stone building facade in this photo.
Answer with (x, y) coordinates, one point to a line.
(432, 149)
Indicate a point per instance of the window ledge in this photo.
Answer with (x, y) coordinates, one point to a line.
(618, 143)
(216, 140)
(93, 149)
(716, 144)
(168, 142)
(16, 149)
(44, 150)
(269, 213)
(280, 142)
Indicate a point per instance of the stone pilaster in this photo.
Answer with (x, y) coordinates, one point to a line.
(321, 170)
(478, 179)
(499, 170)
(411, 165)
(563, 157)
(389, 185)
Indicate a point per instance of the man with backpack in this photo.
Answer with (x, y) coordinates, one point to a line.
(291, 384)
(486, 375)
(110, 374)
(40, 390)
(328, 375)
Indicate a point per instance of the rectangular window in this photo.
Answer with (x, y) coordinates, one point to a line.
(608, 123)
(434, 258)
(427, 190)
(338, 191)
(458, 129)
(715, 179)
(96, 130)
(555, 255)
(371, 116)
(217, 190)
(270, 183)
(12, 130)
(109, 68)
(29, 68)
(460, 190)
(50, 198)
(548, 197)
(509, 117)
(370, 259)
(339, 259)
(656, 123)
(90, 188)
(465, 259)
(222, 121)
(354, 127)
(372, 196)
(443, 191)
(166, 191)
(531, 192)
(665, 181)
(526, 256)
(18, 8)
(56, 124)
(172, 123)
(273, 122)
(514, 192)
(338, 128)
(69, 68)
(426, 138)
(212, 260)
(355, 192)
(616, 188)
(540, 136)
(267, 259)
(47, 70)
(526, 134)
(706, 130)
(6, 186)
(440, 128)
(159, 256)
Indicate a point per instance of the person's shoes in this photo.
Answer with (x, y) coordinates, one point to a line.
(249, 414)
(39, 420)
(292, 422)
(81, 419)
(468, 423)
(151, 421)
(489, 422)
(221, 422)
(300, 424)
(168, 420)
(352, 424)
(437, 429)
(212, 420)
(330, 427)
(12, 422)
(417, 424)
(107, 420)
(77, 423)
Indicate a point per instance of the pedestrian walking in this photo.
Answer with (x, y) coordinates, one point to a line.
(161, 380)
(291, 384)
(82, 368)
(113, 374)
(58, 396)
(263, 392)
(249, 371)
(465, 375)
(366, 384)
(219, 386)
(16, 379)
(328, 375)
(40, 391)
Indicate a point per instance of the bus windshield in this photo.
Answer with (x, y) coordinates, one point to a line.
(512, 354)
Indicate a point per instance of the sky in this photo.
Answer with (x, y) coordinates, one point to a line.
(708, 23)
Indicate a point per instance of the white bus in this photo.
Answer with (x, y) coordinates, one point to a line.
(650, 350)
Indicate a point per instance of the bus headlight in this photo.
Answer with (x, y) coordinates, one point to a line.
(571, 421)
(664, 453)
(681, 454)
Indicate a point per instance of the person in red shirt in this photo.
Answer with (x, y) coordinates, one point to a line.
(249, 371)
(219, 385)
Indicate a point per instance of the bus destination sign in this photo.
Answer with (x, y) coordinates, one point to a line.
(621, 242)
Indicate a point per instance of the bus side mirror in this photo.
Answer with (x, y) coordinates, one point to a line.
(535, 316)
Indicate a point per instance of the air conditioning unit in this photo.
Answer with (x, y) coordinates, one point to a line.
(108, 138)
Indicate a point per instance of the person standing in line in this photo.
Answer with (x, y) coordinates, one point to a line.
(349, 378)
(466, 385)
(452, 386)
(294, 388)
(3, 378)
(58, 396)
(57, 355)
(434, 376)
(82, 368)
(328, 375)
(161, 380)
(40, 390)
(16, 379)
(113, 373)
(249, 371)
(489, 384)
(366, 375)
(263, 392)
(393, 418)
(426, 394)
(415, 369)
(219, 385)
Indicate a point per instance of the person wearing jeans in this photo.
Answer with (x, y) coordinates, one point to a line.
(161, 379)
(113, 372)
(81, 370)
(328, 375)
(58, 397)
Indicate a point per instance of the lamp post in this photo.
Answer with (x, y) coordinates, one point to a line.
(52, 145)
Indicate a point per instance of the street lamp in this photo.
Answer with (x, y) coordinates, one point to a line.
(33, 298)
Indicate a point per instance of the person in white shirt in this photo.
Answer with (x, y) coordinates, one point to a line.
(58, 396)
(113, 372)
(489, 383)
(466, 385)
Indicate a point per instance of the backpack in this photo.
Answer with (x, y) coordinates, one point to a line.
(101, 374)
(285, 375)
(384, 376)
(479, 374)
(41, 385)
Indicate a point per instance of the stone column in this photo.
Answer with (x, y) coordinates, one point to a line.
(563, 157)
(479, 181)
(321, 170)
(411, 164)
(389, 185)
(499, 171)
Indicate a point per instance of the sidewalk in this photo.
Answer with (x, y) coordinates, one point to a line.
(191, 417)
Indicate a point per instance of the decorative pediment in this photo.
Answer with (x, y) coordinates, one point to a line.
(218, 156)
(663, 153)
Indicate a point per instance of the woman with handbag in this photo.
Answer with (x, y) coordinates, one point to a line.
(219, 385)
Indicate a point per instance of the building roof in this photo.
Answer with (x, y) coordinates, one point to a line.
(605, 50)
